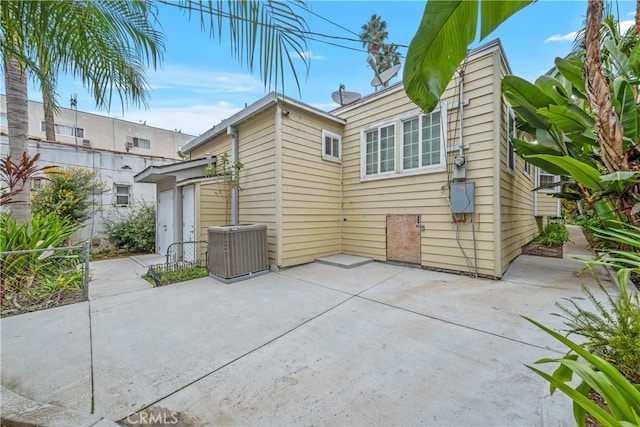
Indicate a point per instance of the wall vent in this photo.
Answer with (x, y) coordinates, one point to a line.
(86, 142)
(236, 251)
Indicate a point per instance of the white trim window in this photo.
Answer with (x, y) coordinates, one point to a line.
(547, 179)
(141, 143)
(409, 144)
(64, 130)
(511, 133)
(122, 194)
(331, 146)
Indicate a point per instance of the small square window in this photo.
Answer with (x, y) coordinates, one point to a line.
(331, 146)
(141, 143)
(122, 196)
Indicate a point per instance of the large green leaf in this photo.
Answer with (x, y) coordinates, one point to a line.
(581, 172)
(523, 92)
(620, 60)
(567, 118)
(554, 89)
(495, 13)
(634, 60)
(626, 107)
(571, 69)
(440, 44)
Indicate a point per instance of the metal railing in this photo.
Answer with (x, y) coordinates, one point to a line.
(184, 261)
(37, 279)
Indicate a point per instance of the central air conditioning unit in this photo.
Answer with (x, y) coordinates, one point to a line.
(237, 252)
(86, 142)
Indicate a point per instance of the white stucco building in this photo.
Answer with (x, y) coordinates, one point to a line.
(115, 149)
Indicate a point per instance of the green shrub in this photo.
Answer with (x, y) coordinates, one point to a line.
(32, 279)
(42, 232)
(68, 193)
(134, 231)
(613, 331)
(621, 395)
(554, 234)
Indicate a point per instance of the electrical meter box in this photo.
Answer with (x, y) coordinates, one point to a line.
(462, 196)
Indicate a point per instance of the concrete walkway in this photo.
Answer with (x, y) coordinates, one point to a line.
(121, 275)
(316, 344)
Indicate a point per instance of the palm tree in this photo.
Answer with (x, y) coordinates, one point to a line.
(109, 44)
(373, 35)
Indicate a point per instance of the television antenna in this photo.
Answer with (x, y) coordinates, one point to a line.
(343, 97)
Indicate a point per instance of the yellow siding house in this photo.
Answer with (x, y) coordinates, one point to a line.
(375, 178)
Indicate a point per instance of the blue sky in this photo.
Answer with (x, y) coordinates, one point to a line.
(200, 84)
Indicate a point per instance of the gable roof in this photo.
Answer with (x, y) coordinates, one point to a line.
(272, 98)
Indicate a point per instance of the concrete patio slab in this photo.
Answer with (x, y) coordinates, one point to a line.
(46, 356)
(149, 344)
(118, 276)
(364, 363)
(313, 344)
(351, 281)
(16, 410)
(491, 306)
(344, 261)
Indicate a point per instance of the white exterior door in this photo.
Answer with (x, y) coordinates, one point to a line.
(188, 222)
(165, 221)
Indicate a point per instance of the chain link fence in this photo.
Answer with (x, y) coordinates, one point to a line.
(184, 261)
(37, 279)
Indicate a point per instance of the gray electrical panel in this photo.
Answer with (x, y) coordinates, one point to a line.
(462, 196)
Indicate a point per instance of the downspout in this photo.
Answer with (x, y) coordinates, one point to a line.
(235, 200)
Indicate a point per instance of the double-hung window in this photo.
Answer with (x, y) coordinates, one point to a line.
(405, 145)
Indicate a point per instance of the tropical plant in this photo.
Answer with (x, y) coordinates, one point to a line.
(447, 29)
(22, 267)
(134, 231)
(42, 232)
(612, 329)
(621, 396)
(69, 193)
(228, 175)
(106, 44)
(14, 175)
(554, 234)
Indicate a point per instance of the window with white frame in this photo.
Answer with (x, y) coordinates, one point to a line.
(408, 144)
(547, 180)
(511, 133)
(331, 145)
(64, 130)
(122, 194)
(141, 143)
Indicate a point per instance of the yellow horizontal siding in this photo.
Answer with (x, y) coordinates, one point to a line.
(310, 190)
(367, 203)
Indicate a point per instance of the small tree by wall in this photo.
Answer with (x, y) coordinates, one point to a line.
(69, 193)
(228, 175)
